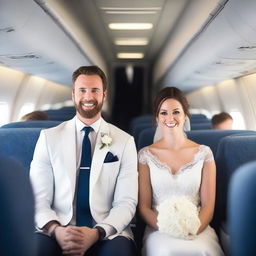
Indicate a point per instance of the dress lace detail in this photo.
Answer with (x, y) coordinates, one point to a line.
(204, 153)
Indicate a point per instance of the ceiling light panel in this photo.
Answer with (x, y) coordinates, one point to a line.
(130, 55)
(131, 41)
(130, 26)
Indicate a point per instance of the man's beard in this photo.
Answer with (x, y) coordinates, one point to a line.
(91, 113)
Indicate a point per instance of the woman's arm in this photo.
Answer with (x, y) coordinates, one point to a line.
(207, 194)
(145, 197)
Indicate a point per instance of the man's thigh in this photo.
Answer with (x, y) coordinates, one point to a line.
(47, 246)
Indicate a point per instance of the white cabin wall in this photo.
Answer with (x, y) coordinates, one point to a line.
(10, 81)
(21, 93)
(233, 96)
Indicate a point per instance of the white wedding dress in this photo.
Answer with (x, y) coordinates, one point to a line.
(185, 182)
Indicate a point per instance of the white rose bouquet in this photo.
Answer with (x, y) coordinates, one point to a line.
(178, 217)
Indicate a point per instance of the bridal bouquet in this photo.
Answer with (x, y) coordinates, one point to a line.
(178, 217)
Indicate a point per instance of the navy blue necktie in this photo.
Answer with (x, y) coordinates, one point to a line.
(83, 214)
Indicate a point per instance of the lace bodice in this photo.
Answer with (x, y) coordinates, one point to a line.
(185, 182)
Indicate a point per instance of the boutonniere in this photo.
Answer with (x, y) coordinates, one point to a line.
(105, 140)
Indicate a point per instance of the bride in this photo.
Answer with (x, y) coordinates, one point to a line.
(176, 166)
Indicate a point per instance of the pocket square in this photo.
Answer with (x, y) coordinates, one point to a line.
(110, 158)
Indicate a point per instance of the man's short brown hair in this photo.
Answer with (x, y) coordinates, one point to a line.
(90, 70)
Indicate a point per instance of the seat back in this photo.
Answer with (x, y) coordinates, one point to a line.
(201, 126)
(241, 210)
(32, 124)
(233, 151)
(140, 120)
(19, 143)
(17, 210)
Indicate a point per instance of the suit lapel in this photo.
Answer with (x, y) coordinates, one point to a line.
(98, 155)
(68, 146)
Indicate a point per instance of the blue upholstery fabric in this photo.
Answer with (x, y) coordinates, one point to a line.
(242, 208)
(17, 210)
(32, 124)
(138, 129)
(233, 151)
(140, 120)
(19, 143)
(198, 118)
(201, 126)
(61, 114)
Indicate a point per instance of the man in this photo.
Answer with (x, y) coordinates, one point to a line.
(56, 175)
(222, 121)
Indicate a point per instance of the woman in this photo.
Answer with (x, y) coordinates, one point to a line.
(176, 166)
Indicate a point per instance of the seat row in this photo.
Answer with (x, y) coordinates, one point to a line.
(231, 149)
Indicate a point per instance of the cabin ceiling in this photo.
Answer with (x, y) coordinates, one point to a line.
(193, 43)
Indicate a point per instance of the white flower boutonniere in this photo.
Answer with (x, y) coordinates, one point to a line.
(105, 140)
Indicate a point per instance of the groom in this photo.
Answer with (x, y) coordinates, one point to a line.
(84, 177)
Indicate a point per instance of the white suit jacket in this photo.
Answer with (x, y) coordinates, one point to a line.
(113, 186)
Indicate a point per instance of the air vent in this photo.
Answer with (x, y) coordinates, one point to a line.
(22, 57)
(247, 47)
(7, 29)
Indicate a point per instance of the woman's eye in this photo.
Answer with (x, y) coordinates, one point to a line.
(176, 112)
(163, 113)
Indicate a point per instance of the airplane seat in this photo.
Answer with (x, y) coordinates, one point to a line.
(140, 120)
(233, 151)
(198, 118)
(241, 210)
(60, 114)
(32, 124)
(138, 129)
(201, 126)
(17, 210)
(19, 143)
(146, 137)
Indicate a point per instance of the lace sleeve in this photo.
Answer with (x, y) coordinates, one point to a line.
(142, 156)
(208, 154)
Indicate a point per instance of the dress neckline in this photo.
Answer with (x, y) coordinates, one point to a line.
(166, 166)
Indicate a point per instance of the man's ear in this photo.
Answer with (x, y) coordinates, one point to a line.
(73, 96)
(105, 95)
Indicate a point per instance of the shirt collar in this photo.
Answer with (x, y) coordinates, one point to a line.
(95, 126)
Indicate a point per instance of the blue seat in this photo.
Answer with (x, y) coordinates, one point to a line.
(149, 119)
(19, 143)
(201, 126)
(233, 151)
(198, 118)
(241, 211)
(32, 124)
(138, 129)
(62, 114)
(17, 210)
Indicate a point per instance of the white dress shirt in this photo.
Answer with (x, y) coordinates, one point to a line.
(79, 140)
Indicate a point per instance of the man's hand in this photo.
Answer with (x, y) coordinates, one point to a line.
(74, 240)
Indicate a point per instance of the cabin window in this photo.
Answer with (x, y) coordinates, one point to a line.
(25, 109)
(4, 113)
(238, 120)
